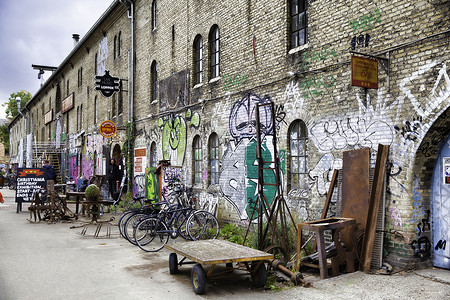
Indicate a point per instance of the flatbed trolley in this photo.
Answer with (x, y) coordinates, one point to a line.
(214, 252)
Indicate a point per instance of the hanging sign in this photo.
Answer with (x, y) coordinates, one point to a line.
(364, 72)
(67, 103)
(108, 129)
(107, 84)
(446, 170)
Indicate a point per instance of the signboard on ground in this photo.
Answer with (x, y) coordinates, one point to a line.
(28, 181)
(364, 72)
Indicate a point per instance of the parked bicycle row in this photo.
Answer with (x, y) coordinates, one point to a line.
(151, 226)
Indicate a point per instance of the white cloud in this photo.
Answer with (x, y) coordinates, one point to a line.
(39, 32)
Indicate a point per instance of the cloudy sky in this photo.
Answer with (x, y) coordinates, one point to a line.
(39, 32)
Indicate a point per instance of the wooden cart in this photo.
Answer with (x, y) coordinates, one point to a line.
(214, 252)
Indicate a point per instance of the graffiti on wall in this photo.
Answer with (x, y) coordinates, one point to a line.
(311, 57)
(102, 56)
(92, 155)
(360, 41)
(365, 130)
(231, 83)
(315, 85)
(420, 220)
(239, 176)
(366, 22)
(174, 135)
(439, 94)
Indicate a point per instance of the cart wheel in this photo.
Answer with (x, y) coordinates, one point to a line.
(173, 263)
(198, 279)
(259, 276)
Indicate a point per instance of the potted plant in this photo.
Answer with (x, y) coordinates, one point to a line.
(92, 193)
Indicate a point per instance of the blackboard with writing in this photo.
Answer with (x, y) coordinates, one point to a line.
(28, 181)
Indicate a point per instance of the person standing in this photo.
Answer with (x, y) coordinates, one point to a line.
(49, 173)
(113, 178)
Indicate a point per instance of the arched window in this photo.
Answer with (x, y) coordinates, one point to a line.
(213, 149)
(154, 81)
(153, 159)
(154, 15)
(214, 47)
(298, 149)
(198, 59)
(197, 161)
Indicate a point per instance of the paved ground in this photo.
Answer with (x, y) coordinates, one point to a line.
(52, 261)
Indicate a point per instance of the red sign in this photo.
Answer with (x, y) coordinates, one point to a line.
(108, 129)
(364, 72)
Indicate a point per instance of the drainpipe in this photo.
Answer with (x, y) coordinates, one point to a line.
(129, 4)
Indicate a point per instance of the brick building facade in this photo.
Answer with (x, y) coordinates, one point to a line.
(200, 68)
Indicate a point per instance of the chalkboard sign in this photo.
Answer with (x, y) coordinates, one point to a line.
(28, 181)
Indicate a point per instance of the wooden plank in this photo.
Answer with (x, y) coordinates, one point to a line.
(374, 206)
(211, 252)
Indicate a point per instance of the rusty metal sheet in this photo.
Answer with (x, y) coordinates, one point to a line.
(355, 186)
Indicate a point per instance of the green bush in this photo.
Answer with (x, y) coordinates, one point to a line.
(92, 192)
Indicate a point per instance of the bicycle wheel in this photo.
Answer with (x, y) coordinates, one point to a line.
(202, 225)
(151, 234)
(122, 220)
(131, 224)
(181, 224)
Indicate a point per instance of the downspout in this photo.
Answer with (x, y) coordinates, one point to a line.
(129, 4)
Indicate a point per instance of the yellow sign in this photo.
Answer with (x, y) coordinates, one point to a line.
(108, 129)
(364, 72)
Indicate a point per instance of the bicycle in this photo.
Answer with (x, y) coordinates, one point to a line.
(11, 178)
(199, 225)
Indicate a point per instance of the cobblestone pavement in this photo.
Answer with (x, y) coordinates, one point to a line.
(53, 261)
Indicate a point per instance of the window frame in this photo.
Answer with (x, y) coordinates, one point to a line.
(297, 174)
(214, 52)
(198, 59)
(154, 19)
(197, 160)
(296, 9)
(213, 152)
(154, 80)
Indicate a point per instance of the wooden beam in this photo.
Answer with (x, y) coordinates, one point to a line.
(374, 206)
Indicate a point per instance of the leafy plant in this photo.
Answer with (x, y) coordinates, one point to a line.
(232, 233)
(92, 192)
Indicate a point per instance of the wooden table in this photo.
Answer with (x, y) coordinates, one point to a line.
(79, 197)
(335, 225)
(214, 252)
